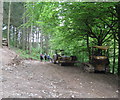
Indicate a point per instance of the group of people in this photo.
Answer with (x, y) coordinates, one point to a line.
(44, 57)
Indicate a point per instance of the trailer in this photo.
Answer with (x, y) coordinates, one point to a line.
(63, 60)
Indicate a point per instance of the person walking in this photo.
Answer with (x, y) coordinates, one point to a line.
(49, 58)
(45, 57)
(41, 57)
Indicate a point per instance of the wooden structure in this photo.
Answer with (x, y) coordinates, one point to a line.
(98, 60)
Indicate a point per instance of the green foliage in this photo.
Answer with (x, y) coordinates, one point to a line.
(17, 9)
(34, 55)
(68, 24)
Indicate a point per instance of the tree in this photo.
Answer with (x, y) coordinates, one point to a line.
(8, 32)
(23, 34)
(118, 16)
(1, 16)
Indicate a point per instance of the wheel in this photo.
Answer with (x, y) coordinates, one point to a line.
(61, 64)
(54, 61)
(71, 64)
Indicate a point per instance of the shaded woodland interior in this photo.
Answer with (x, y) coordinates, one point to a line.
(43, 27)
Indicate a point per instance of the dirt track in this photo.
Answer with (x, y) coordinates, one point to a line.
(35, 79)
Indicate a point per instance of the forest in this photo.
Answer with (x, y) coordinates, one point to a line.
(33, 28)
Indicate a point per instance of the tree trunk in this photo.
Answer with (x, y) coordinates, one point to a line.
(28, 38)
(99, 50)
(46, 44)
(88, 47)
(20, 38)
(8, 32)
(118, 15)
(114, 55)
(14, 30)
(33, 33)
(30, 41)
(41, 43)
(12, 35)
(16, 38)
(1, 16)
(37, 37)
(23, 36)
(28, 44)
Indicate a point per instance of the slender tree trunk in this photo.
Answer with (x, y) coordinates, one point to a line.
(28, 38)
(46, 44)
(37, 36)
(83, 56)
(23, 36)
(20, 38)
(16, 37)
(99, 44)
(41, 43)
(1, 16)
(88, 47)
(30, 41)
(8, 33)
(14, 32)
(33, 37)
(114, 55)
(25, 48)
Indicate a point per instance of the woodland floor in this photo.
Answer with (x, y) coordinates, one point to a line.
(34, 79)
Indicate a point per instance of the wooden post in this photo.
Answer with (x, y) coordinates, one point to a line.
(1, 21)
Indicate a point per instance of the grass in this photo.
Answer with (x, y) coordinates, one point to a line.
(24, 54)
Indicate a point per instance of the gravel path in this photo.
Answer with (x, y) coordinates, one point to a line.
(35, 79)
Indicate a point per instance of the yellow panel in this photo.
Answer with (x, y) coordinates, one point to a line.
(101, 47)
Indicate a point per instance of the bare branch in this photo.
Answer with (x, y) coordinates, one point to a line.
(107, 38)
(91, 31)
(111, 11)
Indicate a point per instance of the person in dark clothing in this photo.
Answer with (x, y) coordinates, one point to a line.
(41, 57)
(45, 57)
(49, 58)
